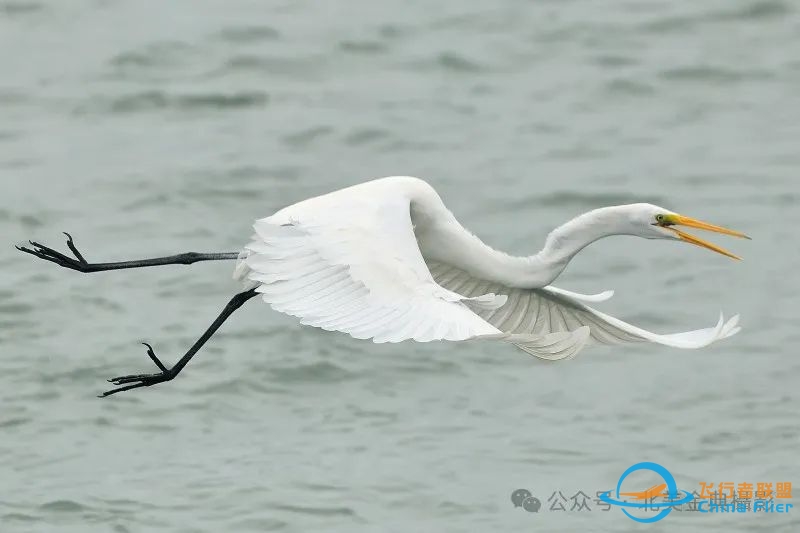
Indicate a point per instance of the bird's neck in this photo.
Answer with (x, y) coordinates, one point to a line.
(450, 243)
(564, 242)
(443, 239)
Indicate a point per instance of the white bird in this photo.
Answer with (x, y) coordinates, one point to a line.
(386, 260)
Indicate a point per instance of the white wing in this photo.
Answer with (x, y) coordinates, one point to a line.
(549, 309)
(351, 263)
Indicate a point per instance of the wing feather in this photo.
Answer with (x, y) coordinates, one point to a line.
(552, 310)
(354, 265)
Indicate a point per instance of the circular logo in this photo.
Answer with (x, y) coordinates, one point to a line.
(669, 486)
(531, 504)
(519, 496)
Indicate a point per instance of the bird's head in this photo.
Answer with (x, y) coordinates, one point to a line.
(654, 222)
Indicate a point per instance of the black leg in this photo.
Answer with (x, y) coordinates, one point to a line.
(167, 374)
(81, 265)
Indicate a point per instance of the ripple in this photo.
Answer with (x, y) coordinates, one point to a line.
(456, 63)
(614, 61)
(322, 372)
(15, 308)
(99, 302)
(629, 87)
(363, 47)
(449, 61)
(759, 10)
(165, 53)
(365, 136)
(754, 11)
(149, 201)
(249, 34)
(63, 506)
(13, 422)
(719, 437)
(680, 279)
(20, 517)
(671, 24)
(313, 488)
(393, 31)
(20, 8)
(158, 100)
(317, 511)
(307, 136)
(246, 172)
(301, 66)
(708, 73)
(374, 417)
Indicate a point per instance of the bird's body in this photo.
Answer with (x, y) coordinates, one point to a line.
(386, 260)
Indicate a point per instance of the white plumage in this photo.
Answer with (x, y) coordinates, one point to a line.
(386, 260)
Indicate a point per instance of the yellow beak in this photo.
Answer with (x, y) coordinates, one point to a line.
(680, 220)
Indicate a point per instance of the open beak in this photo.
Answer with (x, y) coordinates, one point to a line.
(680, 220)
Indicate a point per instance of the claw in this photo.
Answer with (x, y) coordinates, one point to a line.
(144, 380)
(134, 381)
(74, 249)
(46, 251)
(48, 254)
(114, 391)
(119, 380)
(155, 359)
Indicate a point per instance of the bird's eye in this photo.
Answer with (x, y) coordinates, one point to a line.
(659, 218)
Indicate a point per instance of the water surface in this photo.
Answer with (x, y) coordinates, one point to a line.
(152, 128)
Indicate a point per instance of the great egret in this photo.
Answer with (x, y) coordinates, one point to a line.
(386, 260)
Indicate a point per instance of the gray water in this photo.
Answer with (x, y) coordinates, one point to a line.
(150, 128)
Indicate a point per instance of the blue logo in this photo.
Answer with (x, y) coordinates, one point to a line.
(644, 499)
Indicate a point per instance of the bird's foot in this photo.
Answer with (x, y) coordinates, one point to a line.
(48, 254)
(135, 381)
